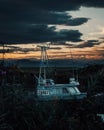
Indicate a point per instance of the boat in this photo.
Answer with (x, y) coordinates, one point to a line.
(47, 89)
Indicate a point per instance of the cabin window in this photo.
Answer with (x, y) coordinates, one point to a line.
(76, 89)
(43, 92)
(65, 90)
(72, 90)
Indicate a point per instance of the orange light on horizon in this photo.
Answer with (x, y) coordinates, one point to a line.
(64, 53)
(53, 56)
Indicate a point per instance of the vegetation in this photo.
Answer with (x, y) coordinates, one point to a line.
(20, 111)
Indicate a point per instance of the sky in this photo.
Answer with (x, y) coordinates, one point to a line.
(69, 26)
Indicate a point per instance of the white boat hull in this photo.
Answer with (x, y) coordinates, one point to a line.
(59, 91)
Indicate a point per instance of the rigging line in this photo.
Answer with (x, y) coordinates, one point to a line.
(46, 60)
(72, 62)
(75, 69)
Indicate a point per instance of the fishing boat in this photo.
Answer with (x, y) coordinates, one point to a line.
(47, 89)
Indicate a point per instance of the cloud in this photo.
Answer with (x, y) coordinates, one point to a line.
(26, 21)
(77, 21)
(15, 49)
(58, 43)
(89, 43)
(94, 3)
(40, 33)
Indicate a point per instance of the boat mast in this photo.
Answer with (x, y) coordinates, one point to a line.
(43, 64)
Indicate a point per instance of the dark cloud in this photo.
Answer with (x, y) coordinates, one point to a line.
(94, 3)
(59, 43)
(12, 49)
(30, 6)
(24, 21)
(77, 21)
(93, 41)
(89, 43)
(43, 33)
(39, 33)
(65, 44)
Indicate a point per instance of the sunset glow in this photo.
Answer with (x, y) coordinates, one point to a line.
(95, 52)
(77, 30)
